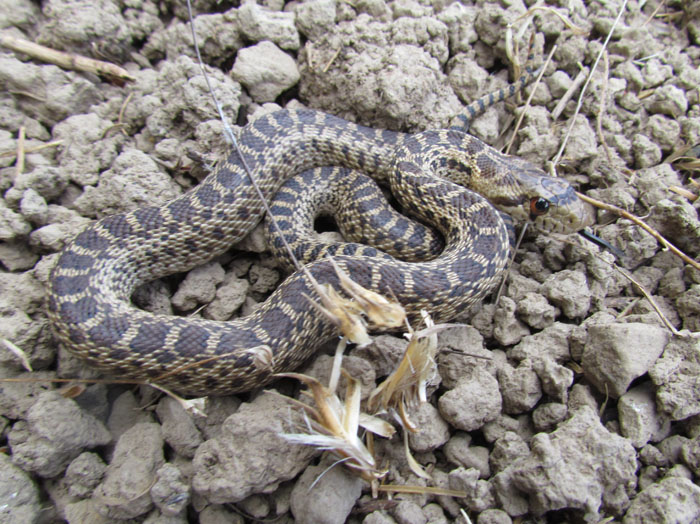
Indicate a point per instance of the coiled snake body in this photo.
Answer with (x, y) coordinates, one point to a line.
(89, 298)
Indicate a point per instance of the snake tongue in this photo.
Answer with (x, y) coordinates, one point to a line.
(602, 243)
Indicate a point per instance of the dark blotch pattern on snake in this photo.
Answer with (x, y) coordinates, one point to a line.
(89, 298)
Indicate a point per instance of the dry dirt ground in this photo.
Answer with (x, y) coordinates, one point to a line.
(587, 408)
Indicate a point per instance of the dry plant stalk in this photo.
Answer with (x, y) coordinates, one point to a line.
(585, 85)
(27, 150)
(406, 385)
(66, 60)
(624, 214)
(334, 426)
(348, 315)
(648, 296)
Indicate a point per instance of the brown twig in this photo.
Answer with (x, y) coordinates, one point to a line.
(330, 62)
(648, 296)
(66, 60)
(656, 11)
(34, 149)
(577, 82)
(629, 216)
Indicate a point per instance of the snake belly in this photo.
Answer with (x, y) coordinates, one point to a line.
(89, 303)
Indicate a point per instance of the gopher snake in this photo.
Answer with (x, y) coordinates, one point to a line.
(89, 297)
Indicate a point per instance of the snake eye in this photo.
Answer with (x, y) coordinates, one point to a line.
(538, 206)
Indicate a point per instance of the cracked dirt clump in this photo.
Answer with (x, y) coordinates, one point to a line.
(568, 398)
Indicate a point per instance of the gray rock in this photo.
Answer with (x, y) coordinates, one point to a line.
(47, 181)
(91, 149)
(249, 456)
(56, 432)
(672, 500)
(616, 354)
(218, 35)
(507, 450)
(265, 70)
(498, 427)
(545, 417)
(22, 291)
(664, 131)
(459, 20)
(175, 100)
(507, 329)
(170, 492)
(463, 479)
(230, 296)
(588, 468)
(215, 514)
(677, 220)
(555, 378)
(75, 25)
(126, 413)
(552, 343)
(258, 506)
(408, 512)
(690, 453)
(535, 311)
(262, 279)
(669, 100)
(465, 350)
(12, 224)
(315, 17)
(474, 401)
(493, 516)
(125, 491)
(568, 290)
(389, 74)
(435, 514)
(459, 452)
(359, 368)
(675, 375)
(84, 474)
(582, 144)
(199, 286)
(33, 207)
(56, 94)
(639, 420)
(646, 152)
(17, 256)
(179, 430)
(258, 23)
(19, 494)
(384, 353)
(330, 499)
(133, 181)
(378, 517)
(672, 447)
(433, 431)
(83, 511)
(63, 225)
(520, 388)
(19, 13)
(30, 335)
(689, 308)
(467, 78)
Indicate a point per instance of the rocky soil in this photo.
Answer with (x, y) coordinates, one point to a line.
(588, 407)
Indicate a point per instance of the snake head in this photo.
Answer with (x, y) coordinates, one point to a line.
(550, 204)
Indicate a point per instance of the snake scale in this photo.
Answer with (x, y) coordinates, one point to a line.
(90, 288)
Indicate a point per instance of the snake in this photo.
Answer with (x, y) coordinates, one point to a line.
(446, 179)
